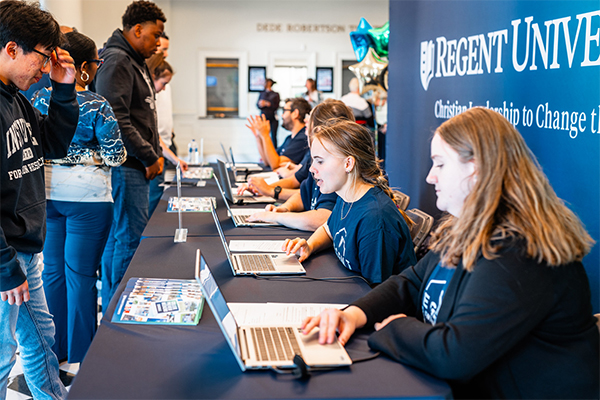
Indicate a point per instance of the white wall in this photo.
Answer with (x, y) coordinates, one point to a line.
(201, 26)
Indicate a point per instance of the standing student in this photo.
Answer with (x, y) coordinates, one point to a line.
(125, 81)
(312, 95)
(79, 207)
(29, 40)
(500, 307)
(367, 231)
(268, 103)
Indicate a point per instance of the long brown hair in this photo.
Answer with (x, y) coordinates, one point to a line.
(353, 140)
(158, 65)
(510, 197)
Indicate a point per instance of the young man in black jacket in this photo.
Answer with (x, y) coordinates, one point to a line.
(125, 81)
(29, 39)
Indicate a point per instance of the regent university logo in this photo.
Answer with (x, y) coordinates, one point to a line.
(532, 46)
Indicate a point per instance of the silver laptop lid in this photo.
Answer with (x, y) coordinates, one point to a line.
(223, 195)
(221, 234)
(224, 177)
(218, 306)
(225, 153)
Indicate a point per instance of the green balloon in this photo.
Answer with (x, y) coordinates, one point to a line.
(381, 39)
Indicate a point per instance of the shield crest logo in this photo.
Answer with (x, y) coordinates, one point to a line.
(427, 53)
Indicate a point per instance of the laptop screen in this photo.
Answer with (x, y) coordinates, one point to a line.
(223, 195)
(221, 234)
(224, 177)
(218, 305)
(225, 153)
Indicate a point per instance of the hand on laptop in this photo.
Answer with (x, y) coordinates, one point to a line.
(245, 190)
(297, 246)
(277, 209)
(332, 320)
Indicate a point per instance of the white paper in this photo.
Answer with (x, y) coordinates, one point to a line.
(244, 211)
(264, 246)
(248, 166)
(277, 313)
(269, 177)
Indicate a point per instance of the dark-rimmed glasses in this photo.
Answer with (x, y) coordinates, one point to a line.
(46, 57)
(98, 61)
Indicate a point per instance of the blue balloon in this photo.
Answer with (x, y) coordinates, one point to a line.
(361, 40)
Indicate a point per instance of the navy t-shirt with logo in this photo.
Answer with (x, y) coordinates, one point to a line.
(371, 238)
(434, 292)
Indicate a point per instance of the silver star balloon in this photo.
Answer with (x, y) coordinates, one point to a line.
(370, 72)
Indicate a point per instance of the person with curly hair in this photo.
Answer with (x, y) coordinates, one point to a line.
(79, 207)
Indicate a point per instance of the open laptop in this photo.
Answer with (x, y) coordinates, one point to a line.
(227, 190)
(239, 219)
(258, 263)
(261, 347)
(240, 171)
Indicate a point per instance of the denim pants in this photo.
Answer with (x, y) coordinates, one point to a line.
(130, 193)
(75, 238)
(30, 324)
(156, 192)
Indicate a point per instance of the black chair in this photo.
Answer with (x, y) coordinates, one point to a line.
(421, 227)
(402, 200)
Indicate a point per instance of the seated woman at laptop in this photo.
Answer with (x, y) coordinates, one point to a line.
(512, 316)
(308, 208)
(368, 232)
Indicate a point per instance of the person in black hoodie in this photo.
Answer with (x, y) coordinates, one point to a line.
(29, 39)
(125, 81)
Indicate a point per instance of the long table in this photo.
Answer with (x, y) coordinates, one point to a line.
(163, 362)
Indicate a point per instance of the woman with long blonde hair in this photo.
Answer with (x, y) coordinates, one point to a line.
(367, 231)
(500, 306)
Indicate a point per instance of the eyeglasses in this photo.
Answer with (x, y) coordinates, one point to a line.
(287, 109)
(46, 57)
(98, 61)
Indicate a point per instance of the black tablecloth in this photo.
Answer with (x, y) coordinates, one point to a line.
(168, 362)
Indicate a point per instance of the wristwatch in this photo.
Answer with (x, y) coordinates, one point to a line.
(276, 192)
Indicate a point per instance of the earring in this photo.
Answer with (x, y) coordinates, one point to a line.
(86, 77)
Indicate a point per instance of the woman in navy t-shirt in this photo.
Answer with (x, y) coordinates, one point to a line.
(367, 231)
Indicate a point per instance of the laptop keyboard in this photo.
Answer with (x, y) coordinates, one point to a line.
(274, 343)
(255, 262)
(240, 219)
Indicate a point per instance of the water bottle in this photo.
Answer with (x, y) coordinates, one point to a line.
(193, 151)
(196, 155)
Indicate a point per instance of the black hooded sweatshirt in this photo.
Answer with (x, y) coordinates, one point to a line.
(27, 138)
(125, 81)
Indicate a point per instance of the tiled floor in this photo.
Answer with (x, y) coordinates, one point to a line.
(17, 387)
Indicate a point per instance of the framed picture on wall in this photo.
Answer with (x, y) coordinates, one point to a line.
(325, 79)
(257, 76)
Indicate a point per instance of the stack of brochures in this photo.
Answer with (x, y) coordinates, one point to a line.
(198, 173)
(191, 204)
(160, 301)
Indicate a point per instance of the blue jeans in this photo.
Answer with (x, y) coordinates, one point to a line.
(156, 192)
(75, 238)
(130, 192)
(30, 324)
